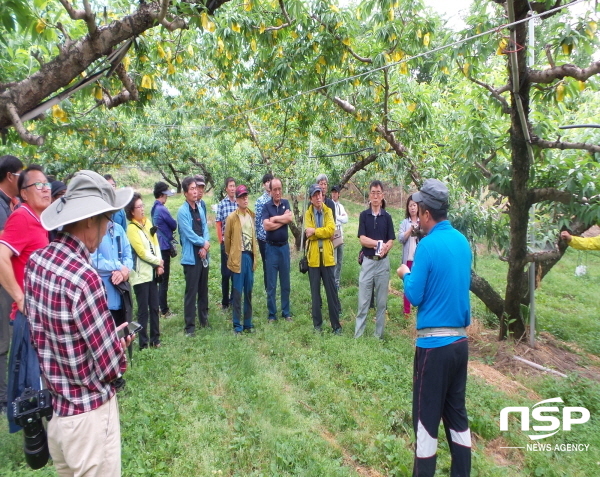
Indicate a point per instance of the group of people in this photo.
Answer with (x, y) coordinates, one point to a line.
(68, 299)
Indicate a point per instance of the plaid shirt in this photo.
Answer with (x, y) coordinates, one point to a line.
(72, 329)
(225, 208)
(261, 234)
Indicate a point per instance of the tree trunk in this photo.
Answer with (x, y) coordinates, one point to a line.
(511, 322)
(296, 227)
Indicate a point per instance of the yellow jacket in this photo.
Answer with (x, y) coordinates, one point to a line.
(144, 260)
(585, 243)
(324, 233)
(233, 241)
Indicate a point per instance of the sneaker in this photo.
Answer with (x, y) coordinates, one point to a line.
(249, 330)
(155, 345)
(190, 335)
(272, 320)
(168, 314)
(237, 333)
(318, 329)
(338, 331)
(288, 318)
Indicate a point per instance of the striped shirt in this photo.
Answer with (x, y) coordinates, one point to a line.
(261, 234)
(72, 329)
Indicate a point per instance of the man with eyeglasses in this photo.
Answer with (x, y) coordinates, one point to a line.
(23, 234)
(10, 169)
(376, 234)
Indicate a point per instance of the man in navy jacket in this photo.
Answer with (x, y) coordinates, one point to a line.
(439, 285)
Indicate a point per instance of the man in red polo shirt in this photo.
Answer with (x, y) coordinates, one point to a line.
(23, 234)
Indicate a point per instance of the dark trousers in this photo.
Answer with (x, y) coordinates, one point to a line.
(278, 263)
(315, 276)
(225, 278)
(242, 284)
(146, 295)
(439, 386)
(163, 287)
(118, 316)
(262, 246)
(196, 295)
(5, 337)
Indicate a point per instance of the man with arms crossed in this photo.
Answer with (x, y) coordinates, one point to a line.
(261, 233)
(276, 215)
(81, 357)
(439, 285)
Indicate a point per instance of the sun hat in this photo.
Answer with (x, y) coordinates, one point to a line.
(434, 194)
(88, 194)
(313, 188)
(240, 191)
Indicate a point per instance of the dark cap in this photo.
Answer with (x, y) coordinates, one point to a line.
(57, 188)
(240, 191)
(434, 194)
(161, 188)
(200, 180)
(336, 188)
(313, 188)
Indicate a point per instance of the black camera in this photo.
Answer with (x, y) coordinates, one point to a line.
(28, 411)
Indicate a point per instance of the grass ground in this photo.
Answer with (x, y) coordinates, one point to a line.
(287, 402)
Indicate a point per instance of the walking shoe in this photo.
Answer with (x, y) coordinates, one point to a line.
(288, 318)
(249, 330)
(168, 314)
(155, 345)
(237, 333)
(338, 331)
(190, 335)
(318, 329)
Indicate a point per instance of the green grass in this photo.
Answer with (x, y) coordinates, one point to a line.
(287, 402)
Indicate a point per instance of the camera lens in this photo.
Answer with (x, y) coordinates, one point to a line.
(35, 445)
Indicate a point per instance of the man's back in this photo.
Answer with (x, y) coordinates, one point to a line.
(440, 279)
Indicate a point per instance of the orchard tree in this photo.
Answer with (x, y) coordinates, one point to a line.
(509, 141)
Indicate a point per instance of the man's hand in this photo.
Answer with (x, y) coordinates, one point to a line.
(117, 277)
(402, 270)
(160, 270)
(207, 246)
(125, 342)
(566, 236)
(310, 231)
(125, 273)
(202, 253)
(21, 303)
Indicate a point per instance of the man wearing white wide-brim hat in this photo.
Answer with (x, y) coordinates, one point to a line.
(81, 357)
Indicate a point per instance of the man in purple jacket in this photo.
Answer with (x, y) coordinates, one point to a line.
(165, 226)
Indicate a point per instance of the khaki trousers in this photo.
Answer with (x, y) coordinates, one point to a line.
(87, 444)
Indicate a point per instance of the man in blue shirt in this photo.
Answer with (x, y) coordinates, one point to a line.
(113, 260)
(195, 243)
(276, 215)
(261, 234)
(439, 285)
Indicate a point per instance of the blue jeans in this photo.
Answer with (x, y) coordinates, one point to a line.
(278, 262)
(243, 283)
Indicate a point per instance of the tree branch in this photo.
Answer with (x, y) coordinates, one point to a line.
(16, 120)
(484, 291)
(288, 22)
(357, 166)
(551, 193)
(562, 71)
(506, 109)
(177, 24)
(558, 144)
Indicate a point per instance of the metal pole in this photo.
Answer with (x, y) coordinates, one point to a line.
(532, 285)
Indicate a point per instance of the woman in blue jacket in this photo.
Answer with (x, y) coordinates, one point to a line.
(166, 225)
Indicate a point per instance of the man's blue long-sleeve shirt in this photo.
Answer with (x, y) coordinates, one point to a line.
(439, 282)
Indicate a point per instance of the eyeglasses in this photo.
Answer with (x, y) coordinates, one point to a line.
(376, 193)
(16, 174)
(39, 185)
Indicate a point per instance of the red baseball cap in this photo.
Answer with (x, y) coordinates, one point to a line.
(240, 191)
